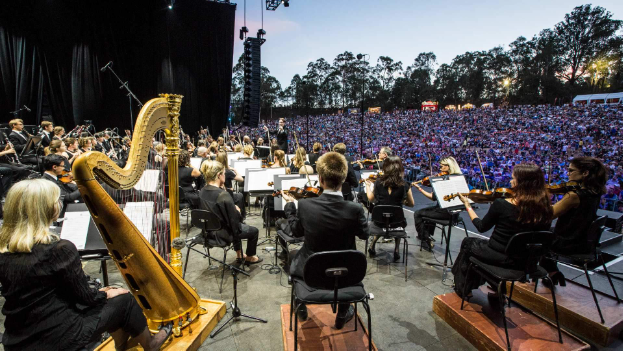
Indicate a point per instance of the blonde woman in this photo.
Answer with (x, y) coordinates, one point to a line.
(43, 283)
(247, 152)
(450, 166)
(214, 198)
(298, 161)
(57, 147)
(279, 160)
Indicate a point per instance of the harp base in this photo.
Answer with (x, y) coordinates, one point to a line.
(201, 327)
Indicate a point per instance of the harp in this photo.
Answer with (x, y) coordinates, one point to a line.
(157, 286)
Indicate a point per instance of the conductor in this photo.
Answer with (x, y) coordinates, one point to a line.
(281, 134)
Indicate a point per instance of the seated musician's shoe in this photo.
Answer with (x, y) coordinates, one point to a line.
(249, 262)
(341, 320)
(372, 252)
(396, 257)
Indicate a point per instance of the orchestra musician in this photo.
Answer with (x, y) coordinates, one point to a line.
(425, 233)
(85, 144)
(46, 133)
(99, 142)
(281, 135)
(58, 133)
(232, 175)
(298, 161)
(49, 304)
(58, 147)
(215, 199)
(54, 166)
(327, 223)
(576, 211)
(11, 161)
(384, 152)
(351, 181)
(316, 153)
(73, 149)
(187, 175)
(528, 210)
(19, 139)
(389, 189)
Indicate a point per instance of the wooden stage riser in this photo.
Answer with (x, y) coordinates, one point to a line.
(482, 325)
(577, 310)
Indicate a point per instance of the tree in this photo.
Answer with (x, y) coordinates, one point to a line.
(584, 33)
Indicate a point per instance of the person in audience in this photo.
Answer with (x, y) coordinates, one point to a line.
(528, 210)
(216, 199)
(54, 166)
(327, 223)
(425, 232)
(189, 178)
(48, 302)
(576, 211)
(388, 189)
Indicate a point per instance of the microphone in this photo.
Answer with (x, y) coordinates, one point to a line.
(26, 107)
(110, 63)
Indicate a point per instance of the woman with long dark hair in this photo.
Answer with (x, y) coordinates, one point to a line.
(528, 210)
(389, 189)
(576, 211)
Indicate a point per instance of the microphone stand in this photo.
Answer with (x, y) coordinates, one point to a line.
(130, 95)
(16, 112)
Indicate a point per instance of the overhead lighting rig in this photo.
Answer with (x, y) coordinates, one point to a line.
(272, 5)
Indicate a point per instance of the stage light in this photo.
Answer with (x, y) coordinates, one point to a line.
(170, 7)
(286, 3)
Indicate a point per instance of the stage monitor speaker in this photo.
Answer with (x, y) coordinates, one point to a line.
(251, 96)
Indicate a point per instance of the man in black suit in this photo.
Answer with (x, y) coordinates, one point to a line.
(351, 181)
(46, 133)
(99, 140)
(19, 139)
(327, 222)
(54, 166)
(281, 134)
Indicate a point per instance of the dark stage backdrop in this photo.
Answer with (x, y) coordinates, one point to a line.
(51, 53)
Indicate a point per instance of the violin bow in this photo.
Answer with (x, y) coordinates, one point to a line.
(482, 174)
(269, 143)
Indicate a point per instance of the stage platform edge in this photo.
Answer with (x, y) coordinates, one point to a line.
(577, 310)
(201, 327)
(482, 325)
(321, 332)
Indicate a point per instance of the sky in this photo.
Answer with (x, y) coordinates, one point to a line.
(400, 29)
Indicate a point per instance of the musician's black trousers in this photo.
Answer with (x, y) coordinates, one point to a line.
(251, 234)
(121, 312)
(20, 171)
(426, 231)
(7, 178)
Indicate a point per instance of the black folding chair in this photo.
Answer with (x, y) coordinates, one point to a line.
(389, 222)
(332, 277)
(528, 248)
(210, 225)
(594, 255)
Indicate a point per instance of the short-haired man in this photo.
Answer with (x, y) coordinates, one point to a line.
(327, 222)
(19, 139)
(351, 181)
(99, 140)
(46, 133)
(54, 165)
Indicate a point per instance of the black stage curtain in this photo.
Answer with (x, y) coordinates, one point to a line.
(51, 53)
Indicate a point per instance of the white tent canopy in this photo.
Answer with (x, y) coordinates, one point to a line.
(611, 98)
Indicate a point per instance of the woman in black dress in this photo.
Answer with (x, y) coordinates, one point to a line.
(529, 210)
(49, 304)
(389, 189)
(187, 175)
(576, 211)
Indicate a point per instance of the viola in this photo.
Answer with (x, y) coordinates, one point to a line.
(367, 162)
(483, 196)
(560, 189)
(427, 182)
(268, 165)
(270, 184)
(300, 193)
(372, 177)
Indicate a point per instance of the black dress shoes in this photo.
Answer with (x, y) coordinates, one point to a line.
(342, 319)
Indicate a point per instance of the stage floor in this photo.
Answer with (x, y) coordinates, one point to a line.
(402, 314)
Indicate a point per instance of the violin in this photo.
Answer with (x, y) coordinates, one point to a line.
(560, 189)
(483, 196)
(372, 177)
(270, 184)
(427, 182)
(300, 193)
(268, 165)
(66, 177)
(366, 162)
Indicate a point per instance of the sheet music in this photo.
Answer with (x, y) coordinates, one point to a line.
(455, 184)
(196, 162)
(233, 156)
(76, 227)
(149, 181)
(259, 180)
(289, 157)
(142, 216)
(241, 166)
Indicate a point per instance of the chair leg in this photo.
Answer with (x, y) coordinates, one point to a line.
(370, 331)
(222, 272)
(448, 240)
(502, 297)
(292, 299)
(604, 266)
(465, 286)
(552, 292)
(465, 230)
(591, 286)
(356, 316)
(188, 251)
(535, 289)
(405, 248)
(296, 323)
(510, 293)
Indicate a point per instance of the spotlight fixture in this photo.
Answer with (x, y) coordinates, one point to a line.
(243, 33)
(171, 3)
(261, 33)
(272, 5)
(286, 3)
